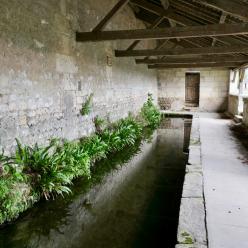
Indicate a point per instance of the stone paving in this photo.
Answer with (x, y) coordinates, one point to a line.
(225, 184)
(217, 216)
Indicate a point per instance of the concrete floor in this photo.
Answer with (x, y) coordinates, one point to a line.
(225, 183)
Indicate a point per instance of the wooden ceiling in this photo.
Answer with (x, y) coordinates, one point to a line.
(204, 33)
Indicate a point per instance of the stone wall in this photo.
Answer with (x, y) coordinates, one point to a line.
(245, 112)
(213, 89)
(233, 104)
(45, 76)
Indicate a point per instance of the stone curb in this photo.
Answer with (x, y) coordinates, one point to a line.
(191, 246)
(192, 231)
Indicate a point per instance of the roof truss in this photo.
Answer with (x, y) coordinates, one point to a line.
(182, 51)
(170, 66)
(196, 27)
(194, 60)
(233, 8)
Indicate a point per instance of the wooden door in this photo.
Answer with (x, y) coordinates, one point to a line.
(192, 89)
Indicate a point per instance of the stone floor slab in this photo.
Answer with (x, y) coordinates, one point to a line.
(225, 184)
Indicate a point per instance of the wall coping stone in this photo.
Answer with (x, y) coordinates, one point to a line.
(192, 229)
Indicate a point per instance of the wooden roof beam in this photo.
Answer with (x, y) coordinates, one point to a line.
(198, 15)
(182, 51)
(183, 42)
(171, 66)
(243, 66)
(155, 9)
(205, 59)
(232, 8)
(110, 15)
(213, 30)
(184, 21)
(222, 20)
(160, 46)
(154, 25)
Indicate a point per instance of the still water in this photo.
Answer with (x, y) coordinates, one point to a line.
(132, 201)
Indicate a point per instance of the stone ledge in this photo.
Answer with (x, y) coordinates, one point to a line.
(194, 155)
(191, 246)
(193, 185)
(192, 231)
(193, 168)
(191, 227)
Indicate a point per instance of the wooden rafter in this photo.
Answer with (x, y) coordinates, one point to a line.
(243, 66)
(170, 66)
(110, 15)
(154, 25)
(160, 46)
(193, 12)
(230, 7)
(165, 3)
(213, 30)
(182, 51)
(180, 22)
(205, 59)
(180, 19)
(155, 9)
(222, 20)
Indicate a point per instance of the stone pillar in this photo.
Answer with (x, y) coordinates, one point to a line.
(241, 90)
(233, 104)
(245, 113)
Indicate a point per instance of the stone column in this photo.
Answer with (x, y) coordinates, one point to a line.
(245, 113)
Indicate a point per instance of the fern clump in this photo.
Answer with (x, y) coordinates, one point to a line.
(87, 105)
(36, 171)
(13, 189)
(99, 124)
(150, 113)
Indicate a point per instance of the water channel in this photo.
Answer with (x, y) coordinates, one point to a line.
(132, 201)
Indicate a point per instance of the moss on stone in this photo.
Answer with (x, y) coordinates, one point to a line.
(187, 238)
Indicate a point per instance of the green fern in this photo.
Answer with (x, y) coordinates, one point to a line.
(37, 171)
(86, 107)
(150, 113)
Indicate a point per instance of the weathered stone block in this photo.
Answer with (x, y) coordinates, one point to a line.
(193, 168)
(190, 246)
(22, 120)
(191, 227)
(194, 155)
(193, 185)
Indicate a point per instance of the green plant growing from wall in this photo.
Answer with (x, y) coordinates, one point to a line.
(87, 105)
(99, 124)
(150, 113)
(36, 172)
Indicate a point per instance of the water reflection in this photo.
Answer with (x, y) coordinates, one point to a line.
(134, 205)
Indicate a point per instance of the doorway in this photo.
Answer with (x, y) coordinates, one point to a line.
(192, 89)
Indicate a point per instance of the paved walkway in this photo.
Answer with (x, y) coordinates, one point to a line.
(225, 184)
